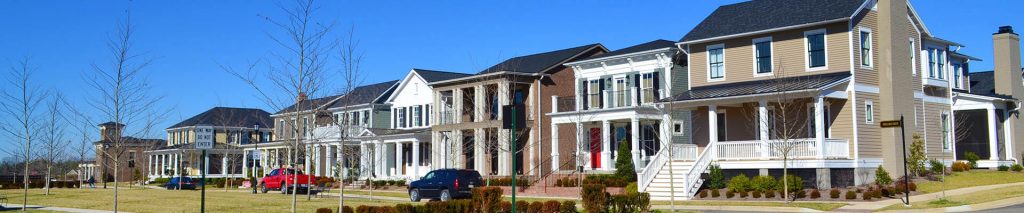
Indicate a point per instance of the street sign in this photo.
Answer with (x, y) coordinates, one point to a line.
(255, 154)
(204, 137)
(892, 124)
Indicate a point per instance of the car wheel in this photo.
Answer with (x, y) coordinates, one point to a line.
(445, 196)
(284, 188)
(265, 189)
(414, 195)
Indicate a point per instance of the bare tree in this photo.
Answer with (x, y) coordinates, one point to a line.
(54, 144)
(83, 126)
(122, 96)
(351, 60)
(22, 105)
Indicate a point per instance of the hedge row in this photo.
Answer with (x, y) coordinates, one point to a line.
(485, 199)
(40, 184)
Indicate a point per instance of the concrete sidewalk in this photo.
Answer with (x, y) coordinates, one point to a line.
(973, 207)
(872, 206)
(735, 208)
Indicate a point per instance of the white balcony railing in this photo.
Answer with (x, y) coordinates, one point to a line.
(803, 148)
(332, 132)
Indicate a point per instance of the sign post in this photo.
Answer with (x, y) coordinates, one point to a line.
(255, 157)
(517, 114)
(204, 141)
(906, 177)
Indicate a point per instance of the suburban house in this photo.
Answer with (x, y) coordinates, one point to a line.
(804, 80)
(987, 104)
(231, 128)
(468, 130)
(615, 104)
(128, 152)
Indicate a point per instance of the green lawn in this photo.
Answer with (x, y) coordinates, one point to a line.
(965, 199)
(158, 200)
(822, 206)
(972, 178)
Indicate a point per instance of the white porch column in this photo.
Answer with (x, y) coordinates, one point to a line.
(309, 161)
(457, 98)
(224, 164)
(635, 143)
(206, 164)
(416, 159)
(819, 125)
(993, 141)
(1008, 138)
(332, 158)
(478, 97)
(245, 162)
(363, 160)
(378, 157)
(479, 141)
(177, 161)
(606, 143)
(763, 135)
(712, 123)
(554, 147)
(399, 161)
(149, 165)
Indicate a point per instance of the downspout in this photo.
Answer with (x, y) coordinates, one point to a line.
(540, 131)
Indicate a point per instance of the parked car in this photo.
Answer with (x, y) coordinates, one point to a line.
(185, 183)
(286, 179)
(445, 184)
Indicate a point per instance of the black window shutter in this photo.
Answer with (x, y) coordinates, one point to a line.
(600, 94)
(636, 85)
(657, 84)
(585, 94)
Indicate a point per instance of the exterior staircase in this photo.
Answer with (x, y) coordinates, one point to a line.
(681, 178)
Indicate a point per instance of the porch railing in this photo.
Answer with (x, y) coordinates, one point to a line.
(658, 161)
(563, 104)
(802, 148)
(684, 151)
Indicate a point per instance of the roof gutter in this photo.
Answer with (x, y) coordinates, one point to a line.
(618, 56)
(484, 75)
(847, 79)
(763, 31)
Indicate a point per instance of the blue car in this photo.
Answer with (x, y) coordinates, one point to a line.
(180, 183)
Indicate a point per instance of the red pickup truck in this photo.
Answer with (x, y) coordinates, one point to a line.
(286, 179)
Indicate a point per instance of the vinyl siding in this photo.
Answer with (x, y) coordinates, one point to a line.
(869, 135)
(842, 123)
(788, 55)
(934, 130)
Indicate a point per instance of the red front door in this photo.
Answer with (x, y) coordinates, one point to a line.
(595, 148)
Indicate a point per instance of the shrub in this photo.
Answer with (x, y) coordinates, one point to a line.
(1003, 168)
(505, 206)
(522, 206)
(624, 169)
(834, 193)
(913, 187)
(703, 193)
(324, 210)
(623, 203)
(755, 194)
(487, 199)
(567, 207)
(850, 195)
(763, 183)
(769, 194)
(594, 198)
(867, 195)
(716, 179)
(740, 183)
(405, 208)
(882, 177)
(936, 167)
(729, 194)
(877, 193)
(536, 207)
(551, 206)
(972, 158)
(795, 183)
(961, 166)
(604, 179)
(643, 201)
(715, 193)
(631, 188)
(743, 194)
(1016, 167)
(815, 194)
(800, 193)
(916, 159)
(347, 209)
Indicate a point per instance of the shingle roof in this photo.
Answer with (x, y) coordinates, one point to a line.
(761, 86)
(309, 104)
(365, 94)
(539, 62)
(432, 76)
(984, 84)
(769, 14)
(229, 116)
(383, 131)
(651, 45)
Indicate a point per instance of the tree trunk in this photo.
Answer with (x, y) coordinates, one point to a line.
(785, 181)
(48, 168)
(116, 164)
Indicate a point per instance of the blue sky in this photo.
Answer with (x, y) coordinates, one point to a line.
(188, 39)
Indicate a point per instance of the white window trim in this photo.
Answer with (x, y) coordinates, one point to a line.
(682, 128)
(913, 56)
(869, 112)
(860, 49)
(807, 58)
(771, 50)
(949, 135)
(618, 90)
(641, 86)
(707, 62)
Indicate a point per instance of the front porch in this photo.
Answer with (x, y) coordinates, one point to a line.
(600, 130)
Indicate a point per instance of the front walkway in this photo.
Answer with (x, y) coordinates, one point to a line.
(872, 206)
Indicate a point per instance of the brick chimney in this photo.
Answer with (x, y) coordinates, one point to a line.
(301, 97)
(110, 130)
(1006, 47)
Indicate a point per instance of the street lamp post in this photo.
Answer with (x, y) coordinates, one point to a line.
(256, 150)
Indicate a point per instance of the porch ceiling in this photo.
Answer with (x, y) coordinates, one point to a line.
(748, 88)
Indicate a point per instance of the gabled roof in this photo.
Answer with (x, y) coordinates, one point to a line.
(309, 104)
(957, 54)
(651, 45)
(541, 62)
(984, 84)
(760, 15)
(785, 84)
(432, 76)
(367, 94)
(229, 116)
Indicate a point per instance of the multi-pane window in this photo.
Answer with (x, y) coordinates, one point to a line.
(957, 68)
(913, 57)
(131, 159)
(865, 48)
(417, 114)
(401, 117)
(815, 49)
(305, 125)
(647, 86)
(945, 131)
(595, 94)
(716, 59)
(941, 55)
(763, 55)
(620, 95)
(869, 112)
(933, 58)
(366, 117)
(280, 128)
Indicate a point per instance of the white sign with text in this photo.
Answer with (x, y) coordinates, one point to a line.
(204, 137)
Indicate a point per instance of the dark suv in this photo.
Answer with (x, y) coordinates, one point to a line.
(445, 184)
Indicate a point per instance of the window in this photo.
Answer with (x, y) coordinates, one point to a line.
(280, 128)
(865, 47)
(716, 59)
(722, 133)
(869, 112)
(401, 117)
(763, 55)
(945, 131)
(620, 92)
(131, 159)
(957, 69)
(913, 57)
(305, 125)
(595, 94)
(366, 117)
(815, 49)
(941, 64)
(354, 118)
(647, 87)
(426, 120)
(417, 116)
(677, 128)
